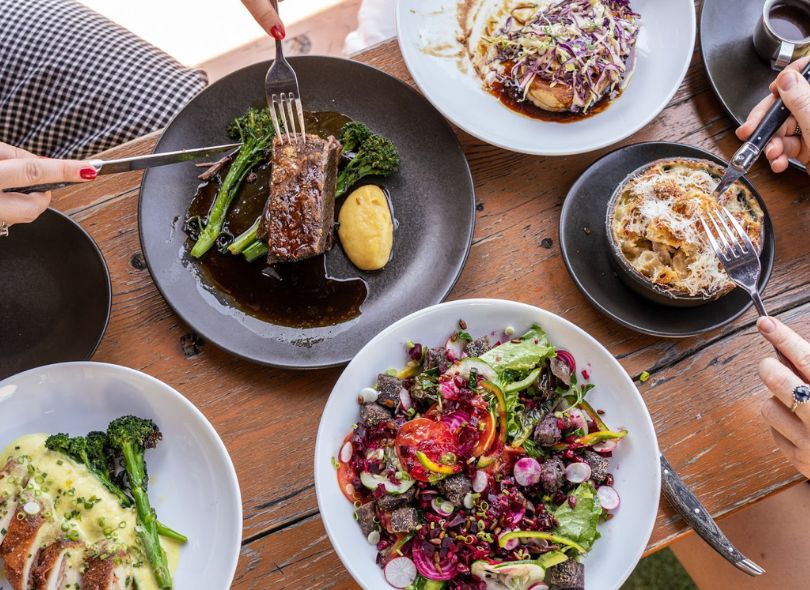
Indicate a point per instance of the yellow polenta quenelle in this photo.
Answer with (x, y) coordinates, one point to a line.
(366, 228)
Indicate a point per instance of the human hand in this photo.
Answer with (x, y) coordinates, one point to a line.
(266, 15)
(787, 144)
(791, 430)
(19, 168)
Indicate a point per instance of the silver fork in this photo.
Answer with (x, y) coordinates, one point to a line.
(283, 96)
(740, 259)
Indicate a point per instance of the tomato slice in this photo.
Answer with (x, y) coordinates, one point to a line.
(431, 438)
(345, 475)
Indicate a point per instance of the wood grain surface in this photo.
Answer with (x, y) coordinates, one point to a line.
(704, 393)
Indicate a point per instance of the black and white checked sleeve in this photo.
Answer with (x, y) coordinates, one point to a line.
(74, 83)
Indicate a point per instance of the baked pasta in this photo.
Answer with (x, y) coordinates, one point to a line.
(655, 225)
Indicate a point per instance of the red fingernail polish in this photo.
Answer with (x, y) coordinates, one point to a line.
(88, 173)
(278, 32)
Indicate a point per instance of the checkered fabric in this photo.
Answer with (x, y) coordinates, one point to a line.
(73, 83)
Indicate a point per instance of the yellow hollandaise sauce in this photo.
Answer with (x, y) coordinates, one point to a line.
(79, 508)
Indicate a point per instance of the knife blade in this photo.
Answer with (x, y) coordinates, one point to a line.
(744, 158)
(135, 163)
(695, 514)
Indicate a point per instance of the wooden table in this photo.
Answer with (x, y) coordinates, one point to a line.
(703, 393)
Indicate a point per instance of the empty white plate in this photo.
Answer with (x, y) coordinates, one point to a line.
(193, 485)
(427, 39)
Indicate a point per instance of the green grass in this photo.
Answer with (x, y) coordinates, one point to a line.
(659, 571)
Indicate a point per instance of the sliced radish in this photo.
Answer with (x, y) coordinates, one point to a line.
(539, 586)
(468, 501)
(606, 446)
(373, 537)
(367, 395)
(405, 399)
(455, 349)
(510, 544)
(578, 472)
(480, 481)
(400, 572)
(527, 471)
(608, 497)
(346, 452)
(442, 506)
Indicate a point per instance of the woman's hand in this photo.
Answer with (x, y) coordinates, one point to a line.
(267, 17)
(791, 430)
(787, 144)
(19, 168)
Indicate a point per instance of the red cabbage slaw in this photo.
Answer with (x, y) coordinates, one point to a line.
(525, 495)
(583, 44)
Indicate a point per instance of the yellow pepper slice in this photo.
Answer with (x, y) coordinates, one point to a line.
(431, 465)
(504, 539)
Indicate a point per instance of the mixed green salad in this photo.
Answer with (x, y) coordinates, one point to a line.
(481, 466)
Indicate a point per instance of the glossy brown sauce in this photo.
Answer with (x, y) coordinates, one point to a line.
(301, 295)
(528, 108)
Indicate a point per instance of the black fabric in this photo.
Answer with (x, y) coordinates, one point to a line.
(73, 83)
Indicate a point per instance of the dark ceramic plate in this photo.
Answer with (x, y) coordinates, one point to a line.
(432, 197)
(739, 77)
(585, 249)
(54, 294)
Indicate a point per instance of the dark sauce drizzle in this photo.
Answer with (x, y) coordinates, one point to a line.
(299, 294)
(513, 98)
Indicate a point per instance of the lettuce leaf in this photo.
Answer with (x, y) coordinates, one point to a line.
(518, 358)
(579, 523)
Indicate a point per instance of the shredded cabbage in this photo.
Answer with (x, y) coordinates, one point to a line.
(584, 44)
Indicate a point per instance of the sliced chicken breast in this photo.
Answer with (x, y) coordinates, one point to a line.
(8, 504)
(20, 548)
(50, 571)
(103, 574)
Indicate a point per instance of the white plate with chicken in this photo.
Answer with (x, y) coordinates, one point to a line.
(548, 77)
(111, 479)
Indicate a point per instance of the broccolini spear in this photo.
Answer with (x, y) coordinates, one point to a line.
(352, 135)
(131, 436)
(93, 451)
(255, 130)
(377, 156)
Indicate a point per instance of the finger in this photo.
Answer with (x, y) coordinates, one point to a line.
(33, 171)
(756, 115)
(789, 128)
(785, 422)
(780, 164)
(795, 92)
(8, 152)
(788, 449)
(267, 17)
(788, 342)
(792, 146)
(774, 149)
(19, 208)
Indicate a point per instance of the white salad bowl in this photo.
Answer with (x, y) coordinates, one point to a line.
(635, 464)
(193, 485)
(428, 31)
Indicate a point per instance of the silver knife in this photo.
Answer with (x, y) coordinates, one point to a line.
(744, 158)
(135, 163)
(695, 514)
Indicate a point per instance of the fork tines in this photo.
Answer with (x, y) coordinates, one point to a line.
(728, 244)
(284, 119)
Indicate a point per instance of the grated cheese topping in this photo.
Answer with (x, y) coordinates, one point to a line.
(656, 225)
